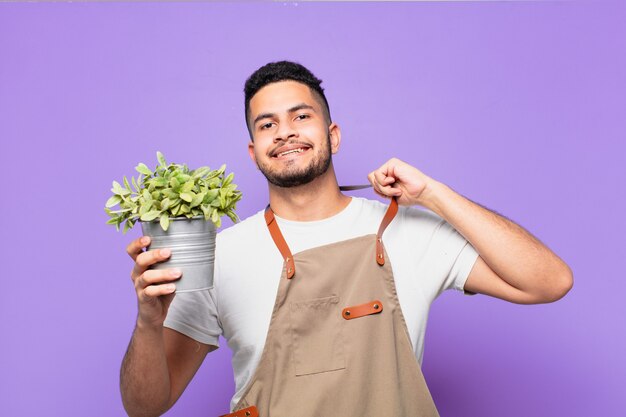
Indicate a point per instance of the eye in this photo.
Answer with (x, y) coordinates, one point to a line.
(302, 116)
(266, 125)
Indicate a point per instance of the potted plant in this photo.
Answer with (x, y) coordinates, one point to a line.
(179, 209)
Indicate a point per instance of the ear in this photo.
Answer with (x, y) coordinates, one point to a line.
(335, 137)
(251, 151)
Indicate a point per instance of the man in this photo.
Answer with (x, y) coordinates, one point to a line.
(284, 298)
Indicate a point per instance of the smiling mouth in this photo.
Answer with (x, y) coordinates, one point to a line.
(290, 152)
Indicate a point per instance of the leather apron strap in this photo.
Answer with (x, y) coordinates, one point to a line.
(282, 246)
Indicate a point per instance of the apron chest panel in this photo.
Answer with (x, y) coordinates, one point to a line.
(319, 361)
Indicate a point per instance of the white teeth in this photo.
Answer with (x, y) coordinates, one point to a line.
(298, 150)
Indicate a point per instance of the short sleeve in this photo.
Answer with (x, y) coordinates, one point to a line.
(194, 314)
(462, 268)
(449, 257)
(456, 253)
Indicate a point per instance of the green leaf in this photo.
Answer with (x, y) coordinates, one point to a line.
(135, 183)
(232, 216)
(169, 193)
(116, 199)
(197, 199)
(200, 172)
(118, 189)
(165, 203)
(145, 208)
(160, 182)
(174, 182)
(214, 183)
(161, 159)
(216, 219)
(126, 210)
(146, 195)
(143, 169)
(228, 180)
(222, 198)
(149, 216)
(212, 174)
(127, 184)
(206, 209)
(165, 221)
(188, 197)
(210, 195)
(188, 186)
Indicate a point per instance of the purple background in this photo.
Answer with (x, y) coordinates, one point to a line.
(519, 106)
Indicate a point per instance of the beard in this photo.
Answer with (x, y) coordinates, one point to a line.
(294, 177)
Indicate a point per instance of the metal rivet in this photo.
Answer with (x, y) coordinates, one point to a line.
(380, 240)
(248, 413)
(289, 270)
(347, 313)
(380, 255)
(287, 260)
(376, 306)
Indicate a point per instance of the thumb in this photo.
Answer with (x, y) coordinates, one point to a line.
(167, 300)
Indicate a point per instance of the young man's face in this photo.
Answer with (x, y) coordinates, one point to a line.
(292, 141)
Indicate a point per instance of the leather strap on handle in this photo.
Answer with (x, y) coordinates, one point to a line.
(279, 240)
(389, 215)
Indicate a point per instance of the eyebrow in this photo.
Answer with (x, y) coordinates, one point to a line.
(293, 109)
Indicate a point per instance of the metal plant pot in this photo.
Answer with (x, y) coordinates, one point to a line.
(192, 242)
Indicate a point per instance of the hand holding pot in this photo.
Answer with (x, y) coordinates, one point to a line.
(154, 287)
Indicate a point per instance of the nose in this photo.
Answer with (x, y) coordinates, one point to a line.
(285, 132)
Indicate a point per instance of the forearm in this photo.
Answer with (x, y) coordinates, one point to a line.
(510, 251)
(144, 377)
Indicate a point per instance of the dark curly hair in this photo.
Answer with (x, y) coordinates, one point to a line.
(283, 71)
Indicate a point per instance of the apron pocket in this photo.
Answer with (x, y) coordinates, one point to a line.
(317, 339)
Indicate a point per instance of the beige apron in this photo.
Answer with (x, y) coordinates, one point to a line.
(337, 343)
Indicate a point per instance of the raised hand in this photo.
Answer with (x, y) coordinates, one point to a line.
(396, 178)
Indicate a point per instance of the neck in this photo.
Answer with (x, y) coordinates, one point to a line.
(316, 200)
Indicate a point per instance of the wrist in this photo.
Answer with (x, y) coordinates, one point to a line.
(148, 327)
(433, 195)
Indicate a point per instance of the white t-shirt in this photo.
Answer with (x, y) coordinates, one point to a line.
(427, 256)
